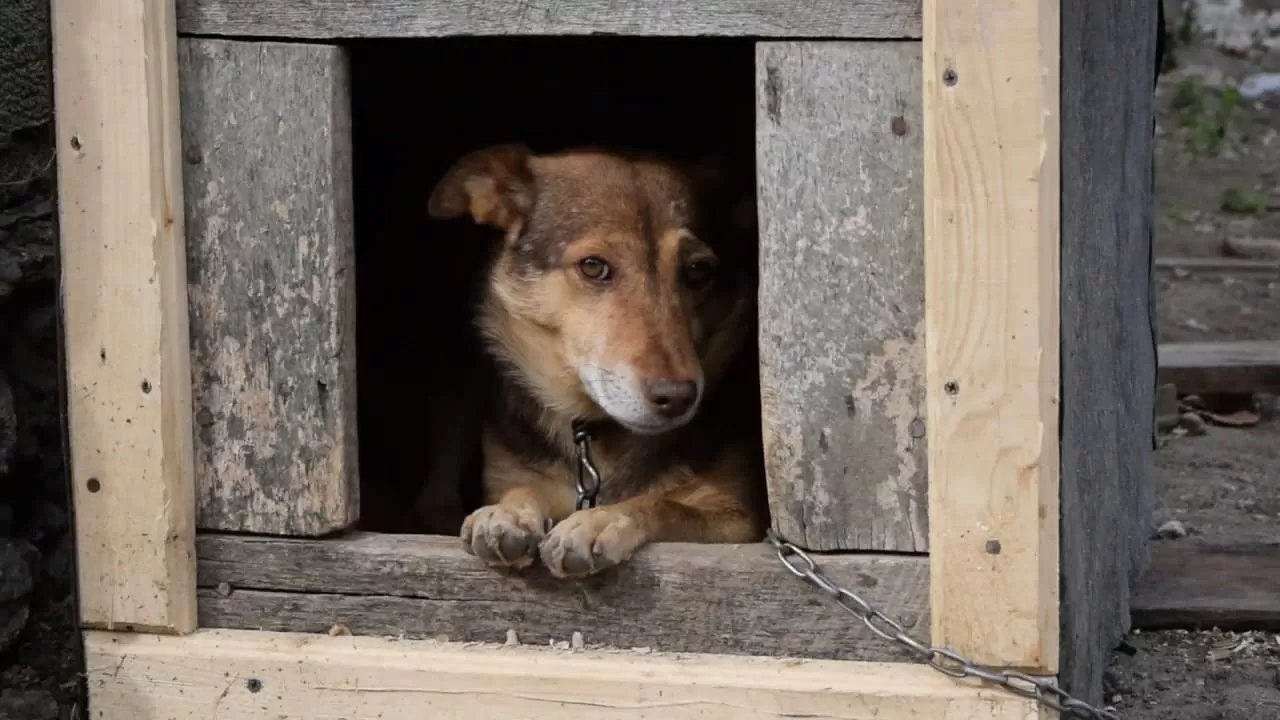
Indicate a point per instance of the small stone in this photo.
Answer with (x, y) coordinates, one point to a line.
(1193, 424)
(576, 642)
(512, 638)
(1172, 530)
(339, 630)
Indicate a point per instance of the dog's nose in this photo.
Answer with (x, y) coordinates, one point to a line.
(672, 398)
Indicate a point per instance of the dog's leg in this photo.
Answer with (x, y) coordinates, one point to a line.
(523, 501)
(683, 507)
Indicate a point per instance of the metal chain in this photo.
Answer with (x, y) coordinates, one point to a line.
(944, 661)
(587, 492)
(802, 566)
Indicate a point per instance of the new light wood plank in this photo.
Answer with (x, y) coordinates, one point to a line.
(232, 675)
(840, 173)
(1200, 586)
(271, 262)
(124, 312)
(329, 19)
(1243, 366)
(991, 326)
(674, 597)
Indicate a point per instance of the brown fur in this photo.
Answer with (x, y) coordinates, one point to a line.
(548, 323)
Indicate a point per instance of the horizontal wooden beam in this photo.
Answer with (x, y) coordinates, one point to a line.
(1245, 366)
(1218, 265)
(1193, 586)
(330, 19)
(672, 597)
(238, 675)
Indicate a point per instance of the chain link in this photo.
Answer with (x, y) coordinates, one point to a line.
(801, 564)
(587, 490)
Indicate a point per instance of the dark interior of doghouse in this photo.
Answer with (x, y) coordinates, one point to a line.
(416, 107)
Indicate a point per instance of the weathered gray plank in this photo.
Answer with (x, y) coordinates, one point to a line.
(1108, 344)
(267, 182)
(327, 19)
(1199, 586)
(1244, 366)
(682, 598)
(840, 172)
(1220, 265)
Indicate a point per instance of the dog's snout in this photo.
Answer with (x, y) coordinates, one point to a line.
(672, 398)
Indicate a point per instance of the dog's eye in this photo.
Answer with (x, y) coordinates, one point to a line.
(699, 274)
(594, 269)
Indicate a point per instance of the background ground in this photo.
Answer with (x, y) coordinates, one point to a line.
(1217, 179)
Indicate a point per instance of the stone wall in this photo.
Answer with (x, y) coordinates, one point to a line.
(38, 659)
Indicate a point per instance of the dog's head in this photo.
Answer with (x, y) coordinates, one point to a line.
(622, 287)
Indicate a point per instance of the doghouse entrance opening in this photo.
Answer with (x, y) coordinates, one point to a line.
(416, 107)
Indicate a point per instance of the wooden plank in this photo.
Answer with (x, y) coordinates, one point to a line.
(1219, 265)
(991, 326)
(267, 135)
(330, 19)
(124, 319)
(685, 598)
(839, 171)
(232, 675)
(1244, 366)
(1108, 362)
(1199, 586)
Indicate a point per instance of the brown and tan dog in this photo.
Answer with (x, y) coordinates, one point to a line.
(621, 294)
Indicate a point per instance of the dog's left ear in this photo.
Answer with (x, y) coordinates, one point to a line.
(495, 186)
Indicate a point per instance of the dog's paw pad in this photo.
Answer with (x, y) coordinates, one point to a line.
(503, 536)
(590, 541)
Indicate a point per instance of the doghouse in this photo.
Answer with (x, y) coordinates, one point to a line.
(956, 359)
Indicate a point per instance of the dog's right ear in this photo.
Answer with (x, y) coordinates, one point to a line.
(494, 185)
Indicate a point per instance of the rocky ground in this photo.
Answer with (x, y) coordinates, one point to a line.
(1218, 193)
(39, 662)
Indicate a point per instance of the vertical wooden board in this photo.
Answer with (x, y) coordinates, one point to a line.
(267, 149)
(842, 293)
(991, 154)
(1108, 339)
(124, 320)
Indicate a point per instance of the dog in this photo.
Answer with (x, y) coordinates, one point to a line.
(620, 295)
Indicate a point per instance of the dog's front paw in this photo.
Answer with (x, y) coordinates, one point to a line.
(504, 536)
(589, 541)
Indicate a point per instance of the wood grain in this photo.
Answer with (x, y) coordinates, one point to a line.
(1108, 362)
(840, 177)
(124, 320)
(991, 326)
(1243, 366)
(1200, 586)
(672, 597)
(233, 675)
(270, 251)
(331, 19)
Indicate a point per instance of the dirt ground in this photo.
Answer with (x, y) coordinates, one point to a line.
(1217, 182)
